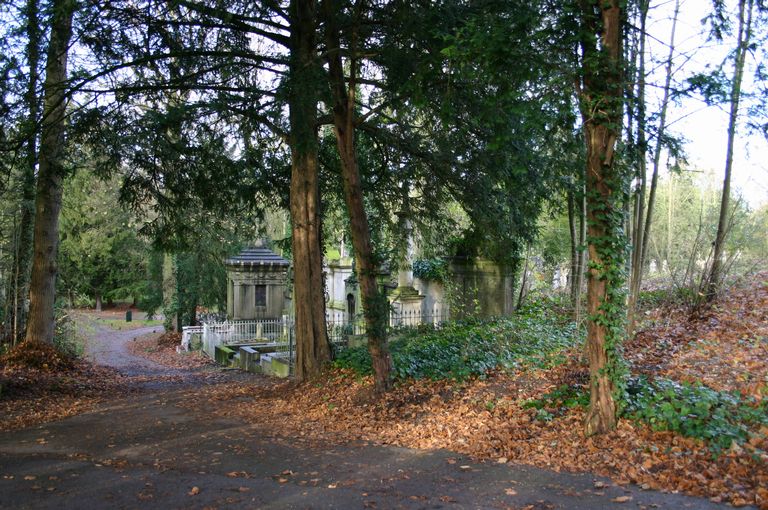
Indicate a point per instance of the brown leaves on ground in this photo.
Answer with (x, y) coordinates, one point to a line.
(161, 348)
(169, 339)
(487, 418)
(724, 346)
(40, 384)
(37, 355)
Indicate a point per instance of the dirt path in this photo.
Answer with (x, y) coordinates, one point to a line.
(109, 347)
(154, 450)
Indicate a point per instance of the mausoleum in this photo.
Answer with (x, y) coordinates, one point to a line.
(257, 280)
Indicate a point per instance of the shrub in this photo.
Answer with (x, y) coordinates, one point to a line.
(431, 269)
(561, 398)
(694, 410)
(472, 347)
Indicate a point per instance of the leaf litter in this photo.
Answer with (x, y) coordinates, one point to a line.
(723, 347)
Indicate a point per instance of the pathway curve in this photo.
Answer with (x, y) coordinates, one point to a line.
(109, 347)
(155, 450)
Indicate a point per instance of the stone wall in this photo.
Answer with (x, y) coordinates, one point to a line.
(481, 287)
(435, 298)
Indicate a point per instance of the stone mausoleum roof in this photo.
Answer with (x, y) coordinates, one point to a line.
(257, 256)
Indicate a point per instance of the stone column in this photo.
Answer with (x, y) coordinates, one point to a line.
(405, 294)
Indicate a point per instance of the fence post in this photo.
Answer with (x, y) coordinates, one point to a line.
(291, 363)
(206, 338)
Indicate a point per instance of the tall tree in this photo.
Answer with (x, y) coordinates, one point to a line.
(375, 306)
(22, 266)
(100, 254)
(42, 290)
(312, 348)
(643, 221)
(743, 42)
(600, 96)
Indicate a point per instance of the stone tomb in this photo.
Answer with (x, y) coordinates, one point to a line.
(257, 279)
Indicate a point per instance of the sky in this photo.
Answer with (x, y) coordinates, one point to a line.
(705, 127)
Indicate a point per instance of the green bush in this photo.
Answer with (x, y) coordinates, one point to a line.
(472, 347)
(694, 410)
(558, 401)
(431, 269)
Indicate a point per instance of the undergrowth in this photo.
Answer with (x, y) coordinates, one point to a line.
(693, 410)
(461, 349)
(558, 401)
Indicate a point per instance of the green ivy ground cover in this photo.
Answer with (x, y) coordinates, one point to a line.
(694, 410)
(467, 348)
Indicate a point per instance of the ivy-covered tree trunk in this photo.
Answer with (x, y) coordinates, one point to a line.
(601, 107)
(374, 302)
(42, 290)
(312, 349)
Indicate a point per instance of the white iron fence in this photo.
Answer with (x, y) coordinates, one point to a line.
(277, 331)
(279, 336)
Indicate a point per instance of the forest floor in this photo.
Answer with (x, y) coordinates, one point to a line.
(160, 429)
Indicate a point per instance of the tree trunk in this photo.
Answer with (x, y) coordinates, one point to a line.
(374, 302)
(170, 305)
(574, 248)
(98, 301)
(312, 349)
(581, 256)
(743, 42)
(638, 232)
(602, 85)
(23, 249)
(641, 248)
(523, 283)
(670, 208)
(42, 291)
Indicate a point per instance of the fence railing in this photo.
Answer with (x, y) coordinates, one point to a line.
(343, 331)
(244, 332)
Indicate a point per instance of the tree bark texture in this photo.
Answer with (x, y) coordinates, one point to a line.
(374, 302)
(743, 41)
(23, 252)
(601, 107)
(312, 349)
(170, 297)
(42, 291)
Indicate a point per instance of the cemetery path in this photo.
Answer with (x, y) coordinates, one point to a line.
(109, 347)
(155, 451)
(159, 448)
